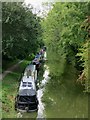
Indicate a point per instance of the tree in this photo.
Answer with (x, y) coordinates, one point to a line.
(64, 36)
(21, 31)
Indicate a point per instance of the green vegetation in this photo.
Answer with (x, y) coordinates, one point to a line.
(66, 35)
(66, 30)
(10, 85)
(21, 31)
(21, 39)
(8, 63)
(41, 72)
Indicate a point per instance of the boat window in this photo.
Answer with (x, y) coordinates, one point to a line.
(29, 84)
(24, 84)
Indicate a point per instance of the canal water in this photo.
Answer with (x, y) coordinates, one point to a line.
(59, 98)
(65, 98)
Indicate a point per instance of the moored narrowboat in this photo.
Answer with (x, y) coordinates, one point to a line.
(26, 100)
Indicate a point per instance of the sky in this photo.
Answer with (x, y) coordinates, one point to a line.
(36, 2)
(37, 5)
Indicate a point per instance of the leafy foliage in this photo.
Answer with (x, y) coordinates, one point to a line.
(65, 37)
(21, 31)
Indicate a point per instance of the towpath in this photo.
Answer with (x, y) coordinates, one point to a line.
(9, 70)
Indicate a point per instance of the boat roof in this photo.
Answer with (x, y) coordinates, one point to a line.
(27, 92)
(27, 79)
(27, 86)
(31, 67)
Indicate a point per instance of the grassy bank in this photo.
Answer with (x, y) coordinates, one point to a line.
(64, 98)
(9, 90)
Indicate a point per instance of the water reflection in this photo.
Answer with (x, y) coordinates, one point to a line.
(41, 105)
(29, 115)
(65, 100)
(41, 113)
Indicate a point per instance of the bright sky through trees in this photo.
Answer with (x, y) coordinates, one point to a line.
(38, 6)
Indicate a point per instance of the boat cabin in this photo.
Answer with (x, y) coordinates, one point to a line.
(27, 97)
(31, 72)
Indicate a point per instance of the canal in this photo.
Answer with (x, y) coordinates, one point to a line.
(59, 98)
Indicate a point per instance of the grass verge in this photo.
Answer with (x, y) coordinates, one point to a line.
(10, 85)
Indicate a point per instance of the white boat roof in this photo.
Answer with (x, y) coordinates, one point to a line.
(27, 79)
(27, 83)
(27, 92)
(30, 67)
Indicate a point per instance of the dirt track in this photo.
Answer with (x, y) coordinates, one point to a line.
(9, 70)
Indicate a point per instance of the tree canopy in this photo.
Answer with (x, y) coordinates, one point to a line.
(21, 31)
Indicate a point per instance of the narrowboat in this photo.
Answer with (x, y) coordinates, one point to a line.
(26, 100)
